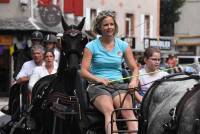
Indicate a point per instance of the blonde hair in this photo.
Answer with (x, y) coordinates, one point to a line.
(99, 19)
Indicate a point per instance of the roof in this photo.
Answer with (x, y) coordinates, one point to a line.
(25, 24)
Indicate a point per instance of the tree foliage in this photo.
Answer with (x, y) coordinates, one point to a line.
(169, 14)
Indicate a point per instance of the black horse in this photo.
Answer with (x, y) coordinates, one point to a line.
(61, 85)
(158, 109)
(56, 89)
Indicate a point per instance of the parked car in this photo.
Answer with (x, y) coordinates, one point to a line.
(188, 59)
(189, 63)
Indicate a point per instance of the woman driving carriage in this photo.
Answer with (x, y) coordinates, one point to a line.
(101, 63)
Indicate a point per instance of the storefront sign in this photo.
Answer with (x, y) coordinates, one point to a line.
(163, 44)
(6, 40)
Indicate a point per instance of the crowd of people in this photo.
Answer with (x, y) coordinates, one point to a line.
(45, 58)
(102, 67)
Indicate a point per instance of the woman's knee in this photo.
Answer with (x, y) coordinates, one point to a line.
(107, 109)
(104, 104)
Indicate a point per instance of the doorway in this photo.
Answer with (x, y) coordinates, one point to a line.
(5, 60)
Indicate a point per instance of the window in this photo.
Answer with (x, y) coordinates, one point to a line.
(147, 25)
(129, 25)
(93, 15)
(186, 60)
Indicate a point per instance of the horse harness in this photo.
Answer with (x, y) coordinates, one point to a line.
(64, 105)
(58, 102)
(172, 125)
(144, 118)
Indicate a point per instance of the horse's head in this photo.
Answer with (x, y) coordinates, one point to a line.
(73, 43)
(20, 56)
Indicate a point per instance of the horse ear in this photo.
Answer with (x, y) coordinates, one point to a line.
(81, 24)
(64, 24)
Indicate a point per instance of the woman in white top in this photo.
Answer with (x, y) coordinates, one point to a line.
(150, 72)
(50, 67)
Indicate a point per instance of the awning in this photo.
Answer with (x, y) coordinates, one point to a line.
(26, 24)
(187, 40)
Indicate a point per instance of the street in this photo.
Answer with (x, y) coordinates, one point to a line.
(3, 118)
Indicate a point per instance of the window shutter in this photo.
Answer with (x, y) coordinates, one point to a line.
(4, 1)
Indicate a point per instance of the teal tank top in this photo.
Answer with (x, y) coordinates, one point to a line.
(104, 63)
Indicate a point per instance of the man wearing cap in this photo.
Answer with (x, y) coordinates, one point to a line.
(36, 38)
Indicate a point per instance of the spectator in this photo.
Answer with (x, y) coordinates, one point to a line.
(37, 52)
(23, 76)
(171, 65)
(36, 38)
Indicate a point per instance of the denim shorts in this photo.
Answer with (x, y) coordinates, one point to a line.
(112, 90)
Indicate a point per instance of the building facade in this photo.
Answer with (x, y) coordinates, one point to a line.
(187, 29)
(18, 19)
(138, 19)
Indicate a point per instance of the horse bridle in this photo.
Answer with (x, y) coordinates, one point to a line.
(73, 33)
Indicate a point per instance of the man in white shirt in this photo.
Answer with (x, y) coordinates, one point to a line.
(37, 52)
